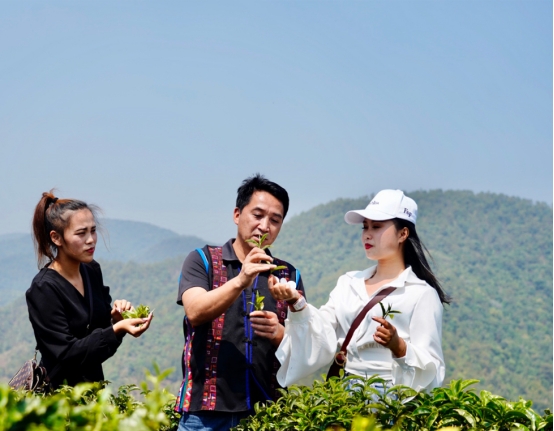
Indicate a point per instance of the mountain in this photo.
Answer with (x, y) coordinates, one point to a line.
(154, 284)
(119, 240)
(492, 254)
(17, 266)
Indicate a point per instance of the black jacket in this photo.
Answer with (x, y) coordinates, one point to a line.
(73, 344)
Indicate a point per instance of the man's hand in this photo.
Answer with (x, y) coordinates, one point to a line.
(281, 289)
(387, 336)
(266, 324)
(255, 262)
(202, 306)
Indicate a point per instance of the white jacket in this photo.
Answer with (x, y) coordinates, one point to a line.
(313, 336)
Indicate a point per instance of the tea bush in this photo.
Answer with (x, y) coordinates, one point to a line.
(337, 403)
(90, 406)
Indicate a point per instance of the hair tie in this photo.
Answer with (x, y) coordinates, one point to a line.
(48, 205)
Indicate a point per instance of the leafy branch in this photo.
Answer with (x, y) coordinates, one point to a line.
(259, 243)
(141, 312)
(389, 312)
(259, 304)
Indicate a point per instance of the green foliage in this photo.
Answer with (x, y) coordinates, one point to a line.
(361, 423)
(492, 253)
(259, 304)
(353, 403)
(338, 404)
(389, 312)
(121, 240)
(152, 284)
(259, 243)
(141, 311)
(89, 406)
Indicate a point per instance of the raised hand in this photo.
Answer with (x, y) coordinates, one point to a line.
(255, 262)
(282, 289)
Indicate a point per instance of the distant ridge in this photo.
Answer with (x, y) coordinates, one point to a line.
(122, 241)
(493, 254)
(142, 242)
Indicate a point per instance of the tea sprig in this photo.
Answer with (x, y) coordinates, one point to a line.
(141, 312)
(389, 312)
(259, 243)
(259, 304)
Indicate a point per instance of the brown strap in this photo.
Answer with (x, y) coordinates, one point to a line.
(340, 357)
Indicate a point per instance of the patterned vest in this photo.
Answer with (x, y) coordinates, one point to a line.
(214, 338)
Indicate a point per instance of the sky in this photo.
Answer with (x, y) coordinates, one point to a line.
(156, 111)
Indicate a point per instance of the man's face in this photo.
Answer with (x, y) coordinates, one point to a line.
(263, 214)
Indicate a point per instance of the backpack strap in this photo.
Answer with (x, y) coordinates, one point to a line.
(213, 341)
(215, 334)
(204, 259)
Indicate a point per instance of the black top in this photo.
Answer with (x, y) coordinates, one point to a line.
(239, 381)
(66, 334)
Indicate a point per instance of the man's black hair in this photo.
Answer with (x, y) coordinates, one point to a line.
(260, 183)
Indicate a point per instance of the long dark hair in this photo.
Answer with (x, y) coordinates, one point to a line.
(50, 215)
(414, 256)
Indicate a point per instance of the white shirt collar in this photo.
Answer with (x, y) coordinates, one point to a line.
(358, 280)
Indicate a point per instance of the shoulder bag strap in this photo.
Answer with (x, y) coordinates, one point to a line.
(340, 357)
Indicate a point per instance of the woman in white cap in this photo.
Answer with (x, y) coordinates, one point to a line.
(407, 352)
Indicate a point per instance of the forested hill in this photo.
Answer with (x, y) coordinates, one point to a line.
(492, 253)
(120, 240)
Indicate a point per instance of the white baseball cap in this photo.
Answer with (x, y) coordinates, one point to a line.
(386, 205)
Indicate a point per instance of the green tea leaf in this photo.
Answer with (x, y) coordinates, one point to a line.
(279, 267)
(389, 311)
(259, 242)
(140, 312)
(259, 302)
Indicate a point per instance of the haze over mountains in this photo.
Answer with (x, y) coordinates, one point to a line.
(121, 241)
(493, 254)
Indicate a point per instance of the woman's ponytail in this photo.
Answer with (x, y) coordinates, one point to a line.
(44, 246)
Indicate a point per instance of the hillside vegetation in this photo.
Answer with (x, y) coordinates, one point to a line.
(120, 240)
(493, 254)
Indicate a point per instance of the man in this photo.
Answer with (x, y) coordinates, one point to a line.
(229, 359)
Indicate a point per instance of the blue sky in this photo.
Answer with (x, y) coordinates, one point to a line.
(156, 111)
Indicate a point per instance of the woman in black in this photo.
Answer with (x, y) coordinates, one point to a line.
(75, 325)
